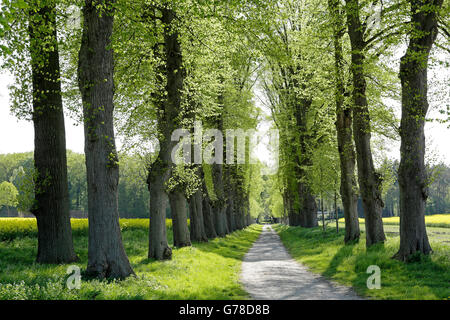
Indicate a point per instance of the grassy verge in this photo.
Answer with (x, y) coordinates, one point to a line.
(203, 271)
(325, 253)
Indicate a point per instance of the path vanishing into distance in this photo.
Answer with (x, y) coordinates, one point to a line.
(270, 273)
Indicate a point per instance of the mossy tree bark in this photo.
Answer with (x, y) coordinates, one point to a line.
(106, 254)
(208, 218)
(55, 244)
(344, 131)
(174, 87)
(197, 226)
(369, 180)
(412, 173)
(158, 175)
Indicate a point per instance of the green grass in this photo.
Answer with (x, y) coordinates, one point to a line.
(203, 271)
(325, 253)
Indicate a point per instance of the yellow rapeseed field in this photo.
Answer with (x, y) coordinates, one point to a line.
(437, 220)
(11, 228)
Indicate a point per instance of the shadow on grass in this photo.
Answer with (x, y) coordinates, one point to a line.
(234, 245)
(343, 253)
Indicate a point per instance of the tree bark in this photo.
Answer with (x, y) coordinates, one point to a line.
(412, 175)
(208, 218)
(308, 215)
(308, 206)
(174, 87)
(106, 254)
(55, 244)
(230, 214)
(344, 133)
(218, 206)
(158, 175)
(293, 208)
(197, 229)
(369, 179)
(181, 237)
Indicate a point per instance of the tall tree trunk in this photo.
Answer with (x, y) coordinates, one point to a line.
(196, 216)
(55, 243)
(230, 214)
(174, 87)
(344, 133)
(293, 208)
(336, 216)
(106, 254)
(158, 174)
(237, 212)
(369, 180)
(412, 174)
(181, 237)
(309, 208)
(218, 205)
(208, 218)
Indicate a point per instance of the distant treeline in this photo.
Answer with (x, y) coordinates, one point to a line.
(438, 190)
(17, 169)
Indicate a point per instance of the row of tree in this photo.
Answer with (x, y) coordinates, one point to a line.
(311, 46)
(165, 65)
(151, 67)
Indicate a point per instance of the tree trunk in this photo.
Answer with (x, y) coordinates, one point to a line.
(208, 219)
(174, 86)
(178, 204)
(55, 244)
(106, 254)
(293, 213)
(218, 219)
(230, 214)
(335, 212)
(196, 215)
(369, 180)
(309, 208)
(237, 213)
(158, 175)
(344, 134)
(412, 174)
(323, 213)
(218, 205)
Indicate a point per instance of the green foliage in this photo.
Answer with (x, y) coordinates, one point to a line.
(8, 195)
(25, 179)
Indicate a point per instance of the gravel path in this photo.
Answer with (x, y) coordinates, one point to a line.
(270, 273)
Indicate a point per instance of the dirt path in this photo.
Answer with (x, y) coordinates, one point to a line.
(269, 272)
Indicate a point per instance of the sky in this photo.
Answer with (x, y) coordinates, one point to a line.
(18, 135)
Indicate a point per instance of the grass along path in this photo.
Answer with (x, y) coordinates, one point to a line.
(326, 254)
(203, 271)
